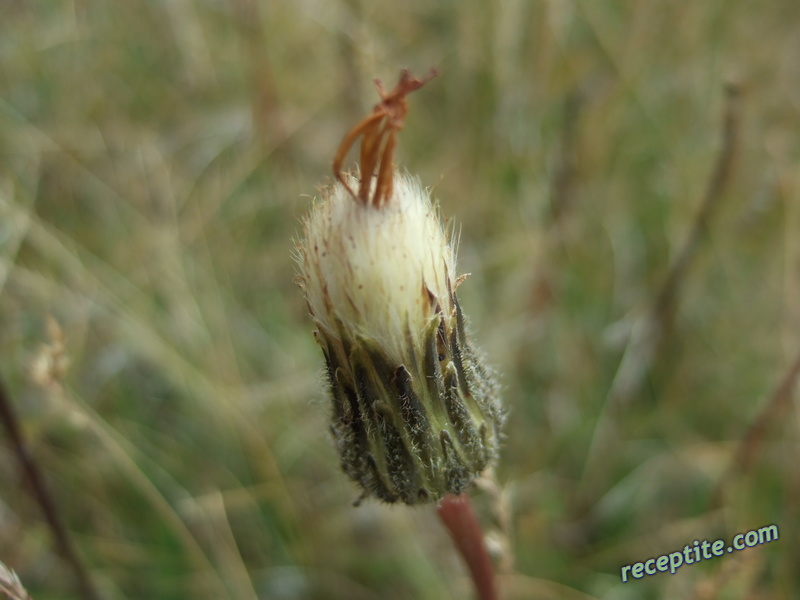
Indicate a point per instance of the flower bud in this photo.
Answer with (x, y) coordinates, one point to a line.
(416, 413)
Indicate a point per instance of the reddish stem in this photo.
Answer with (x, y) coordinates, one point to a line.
(458, 516)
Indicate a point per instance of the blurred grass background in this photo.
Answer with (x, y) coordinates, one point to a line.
(155, 159)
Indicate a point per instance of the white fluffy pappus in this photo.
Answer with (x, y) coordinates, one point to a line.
(383, 272)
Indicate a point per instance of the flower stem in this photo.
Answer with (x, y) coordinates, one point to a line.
(459, 518)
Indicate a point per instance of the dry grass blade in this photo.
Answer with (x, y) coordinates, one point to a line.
(10, 585)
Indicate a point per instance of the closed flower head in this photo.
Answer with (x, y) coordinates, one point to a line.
(383, 272)
(416, 414)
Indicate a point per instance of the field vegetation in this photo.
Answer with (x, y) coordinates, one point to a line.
(625, 180)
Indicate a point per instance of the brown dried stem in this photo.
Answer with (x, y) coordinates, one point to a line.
(779, 402)
(43, 497)
(665, 300)
(646, 341)
(647, 337)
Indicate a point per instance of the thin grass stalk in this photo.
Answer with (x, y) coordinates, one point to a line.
(43, 497)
